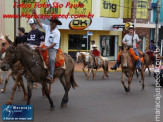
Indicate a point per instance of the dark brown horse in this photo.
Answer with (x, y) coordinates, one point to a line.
(35, 71)
(128, 67)
(148, 60)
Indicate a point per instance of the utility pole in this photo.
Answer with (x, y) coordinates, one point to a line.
(157, 21)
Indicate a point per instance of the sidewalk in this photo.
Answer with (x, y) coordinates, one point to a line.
(79, 66)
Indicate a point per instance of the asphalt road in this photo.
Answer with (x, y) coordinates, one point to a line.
(93, 101)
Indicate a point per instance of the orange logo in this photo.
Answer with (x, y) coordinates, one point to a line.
(80, 23)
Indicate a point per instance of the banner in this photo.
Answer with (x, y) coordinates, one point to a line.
(28, 10)
(49, 10)
(84, 10)
(127, 8)
(142, 9)
(110, 8)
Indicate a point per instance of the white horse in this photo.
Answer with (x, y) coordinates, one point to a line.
(88, 61)
(3, 45)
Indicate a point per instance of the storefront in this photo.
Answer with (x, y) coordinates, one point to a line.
(106, 38)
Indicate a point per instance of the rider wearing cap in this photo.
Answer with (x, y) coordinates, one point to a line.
(152, 46)
(52, 42)
(96, 54)
(35, 36)
(130, 40)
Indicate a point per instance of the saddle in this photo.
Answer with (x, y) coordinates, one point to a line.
(98, 61)
(59, 60)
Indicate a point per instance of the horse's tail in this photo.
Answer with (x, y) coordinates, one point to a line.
(72, 80)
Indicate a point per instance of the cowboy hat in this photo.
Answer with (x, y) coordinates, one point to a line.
(55, 20)
(94, 46)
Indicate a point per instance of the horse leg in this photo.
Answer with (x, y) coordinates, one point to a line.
(4, 88)
(149, 71)
(6, 81)
(104, 74)
(29, 86)
(23, 87)
(122, 80)
(1, 77)
(129, 80)
(93, 75)
(45, 88)
(13, 91)
(142, 77)
(84, 71)
(89, 73)
(50, 84)
(66, 85)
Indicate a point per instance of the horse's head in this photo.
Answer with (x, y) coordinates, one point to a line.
(9, 57)
(80, 57)
(124, 58)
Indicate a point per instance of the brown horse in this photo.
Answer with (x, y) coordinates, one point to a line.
(148, 60)
(35, 71)
(128, 67)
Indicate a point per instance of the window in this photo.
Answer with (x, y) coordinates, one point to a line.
(107, 45)
(77, 42)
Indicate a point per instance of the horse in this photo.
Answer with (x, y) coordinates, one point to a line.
(91, 62)
(148, 60)
(128, 67)
(81, 57)
(35, 70)
(3, 45)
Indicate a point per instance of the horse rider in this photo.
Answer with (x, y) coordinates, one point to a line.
(152, 46)
(35, 36)
(96, 54)
(22, 38)
(52, 42)
(130, 39)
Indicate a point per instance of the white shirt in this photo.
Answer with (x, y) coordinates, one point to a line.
(51, 37)
(128, 38)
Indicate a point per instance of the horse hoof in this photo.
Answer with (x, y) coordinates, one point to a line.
(52, 108)
(1, 81)
(63, 105)
(25, 98)
(127, 90)
(9, 103)
(2, 90)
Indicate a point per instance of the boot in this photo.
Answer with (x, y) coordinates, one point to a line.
(115, 66)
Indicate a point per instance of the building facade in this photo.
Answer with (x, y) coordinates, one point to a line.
(153, 20)
(106, 14)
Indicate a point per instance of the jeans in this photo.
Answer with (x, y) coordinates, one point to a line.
(52, 56)
(137, 53)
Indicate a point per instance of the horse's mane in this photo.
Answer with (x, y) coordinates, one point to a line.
(27, 49)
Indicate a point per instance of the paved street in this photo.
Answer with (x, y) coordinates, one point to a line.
(94, 101)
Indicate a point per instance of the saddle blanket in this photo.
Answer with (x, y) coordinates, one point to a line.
(59, 60)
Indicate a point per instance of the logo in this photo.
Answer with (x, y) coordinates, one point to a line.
(17, 112)
(80, 23)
